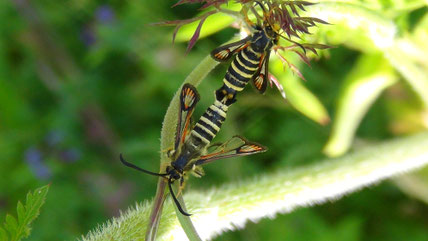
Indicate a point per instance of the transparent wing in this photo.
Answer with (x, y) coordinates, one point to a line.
(189, 96)
(225, 52)
(236, 146)
(261, 77)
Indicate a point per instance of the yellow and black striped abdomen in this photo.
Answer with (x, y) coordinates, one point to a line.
(242, 69)
(209, 124)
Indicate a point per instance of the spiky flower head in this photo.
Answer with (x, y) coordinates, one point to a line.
(284, 16)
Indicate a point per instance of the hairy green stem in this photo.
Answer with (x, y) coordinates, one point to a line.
(167, 141)
(170, 121)
(186, 222)
(157, 207)
(231, 205)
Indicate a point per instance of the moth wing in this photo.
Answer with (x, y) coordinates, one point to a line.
(236, 146)
(225, 52)
(189, 96)
(261, 77)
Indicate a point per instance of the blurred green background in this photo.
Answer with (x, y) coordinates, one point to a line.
(82, 81)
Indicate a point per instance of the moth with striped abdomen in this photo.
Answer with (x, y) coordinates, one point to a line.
(251, 54)
(191, 144)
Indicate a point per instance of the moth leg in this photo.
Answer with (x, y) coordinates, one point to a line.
(197, 171)
(182, 185)
(177, 203)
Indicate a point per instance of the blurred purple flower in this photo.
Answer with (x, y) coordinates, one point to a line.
(87, 36)
(105, 14)
(34, 159)
(54, 138)
(33, 155)
(70, 155)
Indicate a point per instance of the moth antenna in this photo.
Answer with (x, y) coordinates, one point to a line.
(128, 164)
(261, 6)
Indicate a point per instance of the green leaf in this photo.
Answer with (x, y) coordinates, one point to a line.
(367, 80)
(19, 229)
(3, 234)
(213, 24)
(370, 31)
(366, 29)
(300, 97)
(415, 75)
(11, 225)
(21, 211)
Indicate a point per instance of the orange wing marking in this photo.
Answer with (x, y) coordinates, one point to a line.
(222, 54)
(259, 81)
(186, 128)
(212, 154)
(243, 47)
(261, 60)
(189, 98)
(250, 148)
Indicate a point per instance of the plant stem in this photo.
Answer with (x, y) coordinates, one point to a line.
(186, 222)
(155, 215)
(167, 141)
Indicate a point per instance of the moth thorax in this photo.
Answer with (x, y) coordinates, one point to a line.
(225, 97)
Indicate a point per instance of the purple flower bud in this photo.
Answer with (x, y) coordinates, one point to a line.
(54, 138)
(105, 14)
(70, 155)
(34, 158)
(87, 36)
